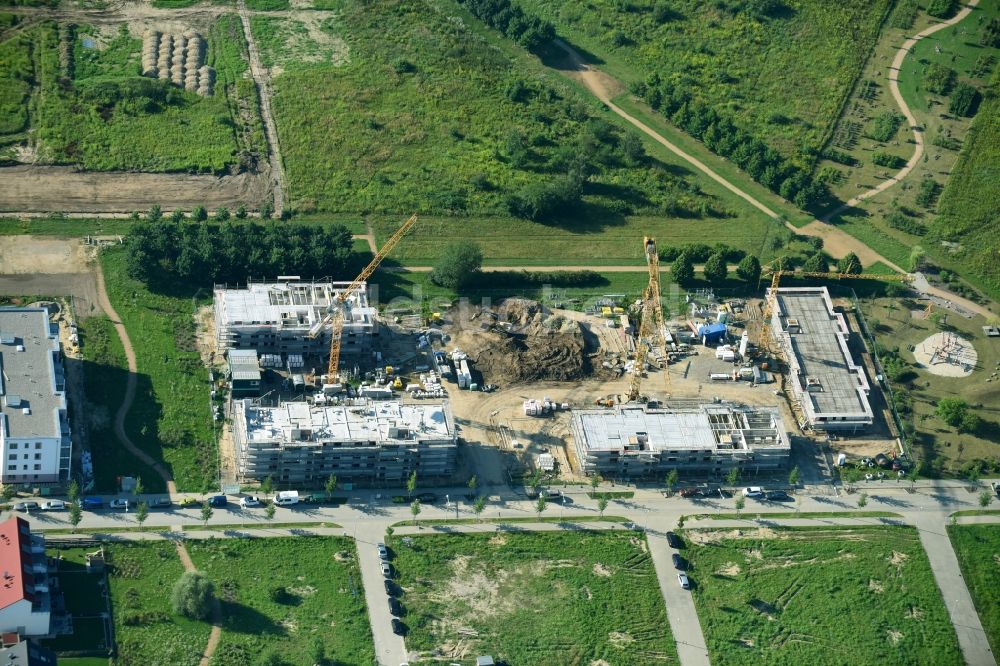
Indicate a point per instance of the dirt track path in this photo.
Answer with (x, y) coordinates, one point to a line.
(216, 635)
(918, 135)
(262, 79)
(105, 303)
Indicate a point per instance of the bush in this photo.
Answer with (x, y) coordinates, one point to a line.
(939, 79)
(682, 270)
(884, 127)
(193, 595)
(897, 220)
(749, 269)
(539, 201)
(885, 159)
(943, 9)
(529, 31)
(458, 265)
(850, 264)
(715, 269)
(991, 34)
(928, 193)
(817, 263)
(951, 410)
(964, 101)
(199, 214)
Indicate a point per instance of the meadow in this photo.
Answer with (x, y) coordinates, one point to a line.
(282, 596)
(944, 450)
(546, 598)
(978, 551)
(419, 111)
(170, 418)
(74, 82)
(819, 596)
(743, 58)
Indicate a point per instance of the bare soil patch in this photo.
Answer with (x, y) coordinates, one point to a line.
(46, 189)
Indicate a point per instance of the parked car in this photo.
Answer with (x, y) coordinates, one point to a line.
(119, 503)
(159, 503)
(26, 506)
(395, 607)
(390, 588)
(778, 496)
(91, 503)
(247, 502)
(386, 570)
(683, 581)
(724, 494)
(753, 491)
(217, 501)
(398, 627)
(674, 541)
(189, 501)
(427, 498)
(690, 492)
(383, 552)
(54, 505)
(551, 495)
(679, 562)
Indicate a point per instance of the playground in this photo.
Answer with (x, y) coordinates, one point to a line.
(947, 355)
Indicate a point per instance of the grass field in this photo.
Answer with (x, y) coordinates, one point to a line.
(83, 594)
(819, 596)
(105, 372)
(749, 65)
(147, 630)
(552, 598)
(282, 595)
(918, 391)
(978, 551)
(170, 418)
(431, 116)
(90, 107)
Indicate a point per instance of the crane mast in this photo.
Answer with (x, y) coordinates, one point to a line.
(651, 319)
(337, 326)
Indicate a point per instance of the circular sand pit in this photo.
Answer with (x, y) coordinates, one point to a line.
(946, 354)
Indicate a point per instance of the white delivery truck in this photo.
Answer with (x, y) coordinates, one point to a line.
(287, 498)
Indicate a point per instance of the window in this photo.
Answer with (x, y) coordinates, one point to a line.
(12, 456)
(38, 445)
(11, 468)
(13, 445)
(25, 468)
(37, 467)
(26, 455)
(38, 456)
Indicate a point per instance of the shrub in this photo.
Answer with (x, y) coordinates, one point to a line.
(540, 201)
(928, 193)
(457, 266)
(715, 269)
(939, 79)
(897, 220)
(193, 595)
(991, 34)
(884, 126)
(529, 31)
(816, 263)
(199, 214)
(749, 269)
(850, 264)
(884, 159)
(942, 9)
(964, 101)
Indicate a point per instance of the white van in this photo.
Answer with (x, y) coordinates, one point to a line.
(753, 491)
(287, 497)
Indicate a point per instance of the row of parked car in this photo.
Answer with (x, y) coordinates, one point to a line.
(392, 590)
(680, 563)
(90, 504)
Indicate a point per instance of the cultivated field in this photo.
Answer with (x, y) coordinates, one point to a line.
(284, 596)
(819, 596)
(748, 63)
(548, 598)
(978, 551)
(898, 325)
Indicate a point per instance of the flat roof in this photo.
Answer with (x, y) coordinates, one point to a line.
(243, 364)
(28, 378)
(288, 304)
(817, 336)
(388, 421)
(703, 427)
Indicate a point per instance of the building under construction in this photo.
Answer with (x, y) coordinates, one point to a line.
(291, 316)
(637, 441)
(828, 386)
(368, 443)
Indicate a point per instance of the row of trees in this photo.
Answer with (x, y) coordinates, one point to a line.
(723, 137)
(231, 252)
(529, 31)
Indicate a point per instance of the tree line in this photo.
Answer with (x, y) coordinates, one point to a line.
(205, 253)
(529, 31)
(764, 164)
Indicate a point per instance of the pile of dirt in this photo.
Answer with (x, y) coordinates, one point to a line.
(519, 341)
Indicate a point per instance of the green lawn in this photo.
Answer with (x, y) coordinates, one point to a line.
(147, 630)
(282, 595)
(978, 551)
(56, 226)
(819, 596)
(546, 598)
(170, 418)
(782, 77)
(918, 391)
(83, 593)
(432, 116)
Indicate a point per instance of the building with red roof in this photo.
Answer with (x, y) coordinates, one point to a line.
(25, 604)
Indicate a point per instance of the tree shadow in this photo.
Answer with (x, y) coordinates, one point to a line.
(242, 619)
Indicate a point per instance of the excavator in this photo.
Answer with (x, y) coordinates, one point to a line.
(337, 315)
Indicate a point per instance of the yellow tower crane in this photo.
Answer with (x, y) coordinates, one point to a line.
(336, 316)
(651, 321)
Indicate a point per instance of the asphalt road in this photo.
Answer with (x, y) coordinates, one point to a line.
(368, 514)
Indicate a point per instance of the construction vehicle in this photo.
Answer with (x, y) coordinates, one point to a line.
(337, 314)
(651, 326)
